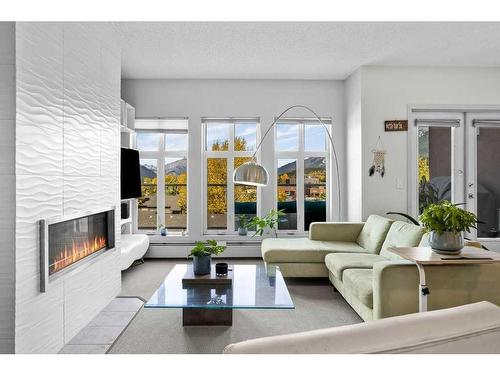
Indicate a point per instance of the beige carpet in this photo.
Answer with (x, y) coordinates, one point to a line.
(161, 330)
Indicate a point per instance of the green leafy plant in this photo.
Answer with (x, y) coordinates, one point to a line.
(270, 221)
(243, 221)
(210, 247)
(447, 217)
(427, 195)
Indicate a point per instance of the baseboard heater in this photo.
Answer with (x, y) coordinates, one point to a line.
(234, 249)
(227, 243)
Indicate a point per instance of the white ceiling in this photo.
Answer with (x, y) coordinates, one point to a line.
(298, 50)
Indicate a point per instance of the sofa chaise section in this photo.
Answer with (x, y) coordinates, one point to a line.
(305, 257)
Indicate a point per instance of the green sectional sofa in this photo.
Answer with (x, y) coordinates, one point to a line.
(376, 282)
(305, 257)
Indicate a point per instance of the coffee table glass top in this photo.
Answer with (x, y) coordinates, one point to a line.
(253, 287)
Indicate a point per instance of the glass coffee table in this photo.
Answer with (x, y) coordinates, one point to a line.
(253, 287)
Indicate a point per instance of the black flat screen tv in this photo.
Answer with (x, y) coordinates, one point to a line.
(130, 181)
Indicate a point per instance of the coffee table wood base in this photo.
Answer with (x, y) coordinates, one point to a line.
(207, 317)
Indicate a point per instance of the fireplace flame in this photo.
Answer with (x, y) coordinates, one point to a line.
(76, 252)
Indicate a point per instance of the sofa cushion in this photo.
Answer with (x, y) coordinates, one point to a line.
(359, 282)
(424, 241)
(303, 250)
(338, 263)
(373, 233)
(401, 234)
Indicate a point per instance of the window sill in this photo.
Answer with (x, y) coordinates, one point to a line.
(156, 238)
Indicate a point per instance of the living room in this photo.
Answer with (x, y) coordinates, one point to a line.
(249, 186)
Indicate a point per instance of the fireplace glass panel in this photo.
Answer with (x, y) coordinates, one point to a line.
(73, 240)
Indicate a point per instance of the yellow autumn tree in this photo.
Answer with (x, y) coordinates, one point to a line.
(217, 178)
(148, 188)
(423, 168)
(176, 185)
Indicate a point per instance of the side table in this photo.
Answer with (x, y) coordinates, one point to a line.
(424, 256)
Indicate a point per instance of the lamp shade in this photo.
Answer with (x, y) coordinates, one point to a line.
(250, 173)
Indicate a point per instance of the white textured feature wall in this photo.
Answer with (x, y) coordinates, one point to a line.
(67, 161)
(7, 185)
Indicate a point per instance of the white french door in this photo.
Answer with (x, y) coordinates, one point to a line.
(482, 157)
(454, 154)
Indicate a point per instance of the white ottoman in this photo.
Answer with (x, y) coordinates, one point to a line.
(134, 246)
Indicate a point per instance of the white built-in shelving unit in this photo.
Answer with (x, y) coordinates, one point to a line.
(127, 137)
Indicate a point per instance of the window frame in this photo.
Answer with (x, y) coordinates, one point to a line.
(163, 126)
(300, 155)
(229, 155)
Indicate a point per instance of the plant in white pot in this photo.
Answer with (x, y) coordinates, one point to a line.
(446, 223)
(202, 256)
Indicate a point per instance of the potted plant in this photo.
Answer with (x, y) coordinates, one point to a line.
(271, 221)
(446, 223)
(162, 229)
(202, 256)
(243, 222)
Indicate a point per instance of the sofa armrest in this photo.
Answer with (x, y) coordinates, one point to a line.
(396, 286)
(333, 231)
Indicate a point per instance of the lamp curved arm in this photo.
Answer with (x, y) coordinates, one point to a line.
(329, 137)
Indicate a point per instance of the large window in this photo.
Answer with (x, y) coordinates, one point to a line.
(163, 149)
(302, 172)
(228, 143)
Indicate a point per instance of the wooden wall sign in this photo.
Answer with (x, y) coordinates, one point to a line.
(396, 126)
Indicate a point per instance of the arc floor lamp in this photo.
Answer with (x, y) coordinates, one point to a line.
(254, 174)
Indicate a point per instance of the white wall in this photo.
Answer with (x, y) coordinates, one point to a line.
(354, 170)
(221, 98)
(386, 93)
(7, 184)
(67, 161)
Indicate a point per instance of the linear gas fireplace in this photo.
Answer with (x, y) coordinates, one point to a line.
(69, 242)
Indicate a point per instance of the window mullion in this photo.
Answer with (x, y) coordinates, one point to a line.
(160, 199)
(300, 180)
(230, 185)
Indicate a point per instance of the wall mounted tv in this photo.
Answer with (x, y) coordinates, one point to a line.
(130, 181)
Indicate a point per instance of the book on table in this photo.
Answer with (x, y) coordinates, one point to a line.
(190, 279)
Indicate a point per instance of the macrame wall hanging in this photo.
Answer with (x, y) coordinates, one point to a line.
(378, 159)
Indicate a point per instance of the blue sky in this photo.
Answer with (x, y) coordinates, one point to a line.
(176, 142)
(287, 137)
(151, 141)
(221, 131)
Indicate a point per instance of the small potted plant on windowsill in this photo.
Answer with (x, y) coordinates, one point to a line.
(446, 223)
(202, 256)
(270, 221)
(162, 229)
(243, 222)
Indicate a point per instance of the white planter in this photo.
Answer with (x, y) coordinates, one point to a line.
(447, 242)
